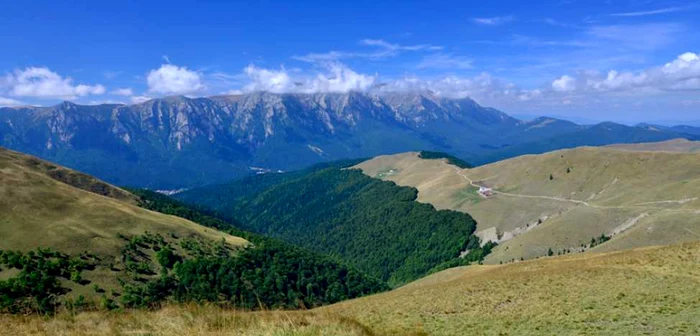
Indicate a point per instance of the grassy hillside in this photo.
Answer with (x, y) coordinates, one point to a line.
(597, 135)
(219, 196)
(44, 205)
(373, 225)
(187, 320)
(65, 247)
(89, 227)
(646, 291)
(62, 174)
(563, 199)
(449, 158)
(675, 145)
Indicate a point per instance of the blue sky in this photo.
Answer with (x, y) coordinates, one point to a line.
(633, 60)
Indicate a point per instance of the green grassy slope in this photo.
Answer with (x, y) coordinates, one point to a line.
(218, 196)
(51, 207)
(37, 209)
(65, 247)
(675, 145)
(373, 225)
(563, 199)
(597, 135)
(646, 291)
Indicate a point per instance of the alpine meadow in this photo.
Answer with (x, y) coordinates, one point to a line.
(348, 168)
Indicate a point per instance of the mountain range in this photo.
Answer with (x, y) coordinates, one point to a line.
(179, 142)
(96, 251)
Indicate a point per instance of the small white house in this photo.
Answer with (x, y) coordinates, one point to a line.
(485, 191)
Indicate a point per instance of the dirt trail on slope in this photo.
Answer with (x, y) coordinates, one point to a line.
(559, 199)
(471, 182)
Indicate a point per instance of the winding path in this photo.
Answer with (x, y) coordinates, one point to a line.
(559, 199)
(471, 182)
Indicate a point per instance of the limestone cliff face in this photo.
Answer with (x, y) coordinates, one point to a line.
(248, 119)
(178, 142)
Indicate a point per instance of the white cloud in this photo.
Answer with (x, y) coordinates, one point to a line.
(171, 79)
(686, 63)
(557, 23)
(653, 11)
(585, 88)
(647, 36)
(683, 73)
(268, 80)
(342, 79)
(139, 99)
(106, 101)
(123, 92)
(445, 61)
(530, 95)
(330, 56)
(537, 42)
(482, 87)
(112, 74)
(9, 102)
(335, 78)
(564, 83)
(384, 49)
(391, 46)
(493, 21)
(44, 83)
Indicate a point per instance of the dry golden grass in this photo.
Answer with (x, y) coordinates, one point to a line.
(592, 191)
(185, 320)
(36, 210)
(646, 291)
(675, 145)
(65, 175)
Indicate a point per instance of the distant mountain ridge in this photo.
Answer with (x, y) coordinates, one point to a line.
(176, 142)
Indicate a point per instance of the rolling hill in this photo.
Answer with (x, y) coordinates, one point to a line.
(46, 205)
(69, 241)
(644, 291)
(565, 201)
(675, 145)
(601, 134)
(373, 225)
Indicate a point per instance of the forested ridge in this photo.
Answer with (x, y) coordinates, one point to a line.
(267, 274)
(451, 159)
(153, 269)
(218, 197)
(374, 225)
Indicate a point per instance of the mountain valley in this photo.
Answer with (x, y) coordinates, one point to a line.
(177, 142)
(71, 242)
(350, 168)
(563, 201)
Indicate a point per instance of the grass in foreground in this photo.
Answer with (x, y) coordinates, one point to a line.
(185, 320)
(648, 291)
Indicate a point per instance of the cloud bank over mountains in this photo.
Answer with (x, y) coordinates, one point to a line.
(681, 74)
(40, 82)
